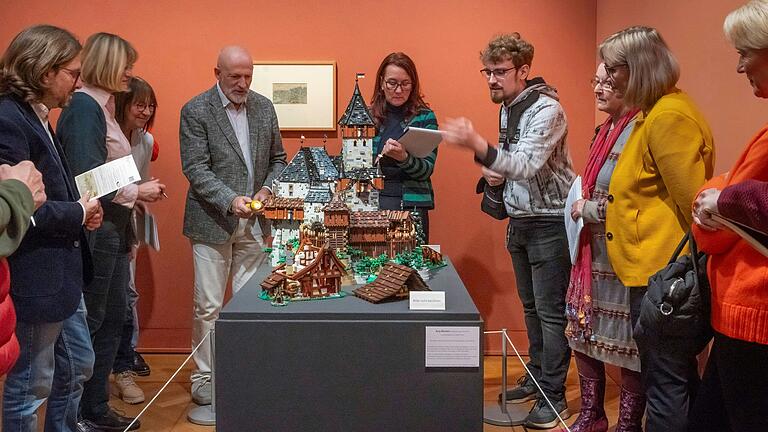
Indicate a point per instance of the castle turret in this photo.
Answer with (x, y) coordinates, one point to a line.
(357, 132)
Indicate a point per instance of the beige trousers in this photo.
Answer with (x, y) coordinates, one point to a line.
(239, 258)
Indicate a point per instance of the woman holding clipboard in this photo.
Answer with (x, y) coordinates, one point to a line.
(397, 104)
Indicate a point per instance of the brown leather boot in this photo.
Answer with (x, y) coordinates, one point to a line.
(591, 415)
(631, 410)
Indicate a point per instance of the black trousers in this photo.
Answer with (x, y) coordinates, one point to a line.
(670, 377)
(734, 392)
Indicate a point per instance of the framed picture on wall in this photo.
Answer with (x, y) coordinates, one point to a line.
(304, 93)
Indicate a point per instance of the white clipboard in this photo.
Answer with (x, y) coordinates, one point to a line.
(419, 142)
(573, 227)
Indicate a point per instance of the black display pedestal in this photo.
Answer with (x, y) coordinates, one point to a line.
(342, 365)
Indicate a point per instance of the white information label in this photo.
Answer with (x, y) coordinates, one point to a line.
(426, 300)
(452, 347)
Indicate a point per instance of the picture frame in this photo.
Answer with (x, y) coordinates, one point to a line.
(303, 93)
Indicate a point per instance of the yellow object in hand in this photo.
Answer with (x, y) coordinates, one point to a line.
(256, 205)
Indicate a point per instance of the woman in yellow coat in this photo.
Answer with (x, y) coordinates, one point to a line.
(669, 155)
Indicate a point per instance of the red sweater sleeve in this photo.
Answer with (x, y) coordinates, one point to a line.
(747, 203)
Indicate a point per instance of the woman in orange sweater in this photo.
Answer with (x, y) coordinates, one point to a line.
(734, 392)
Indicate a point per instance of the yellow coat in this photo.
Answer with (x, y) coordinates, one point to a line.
(668, 156)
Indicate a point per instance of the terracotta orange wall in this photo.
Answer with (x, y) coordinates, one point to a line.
(178, 42)
(694, 31)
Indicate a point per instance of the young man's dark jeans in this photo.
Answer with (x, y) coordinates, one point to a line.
(539, 250)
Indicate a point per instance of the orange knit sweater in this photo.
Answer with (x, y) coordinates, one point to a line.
(738, 274)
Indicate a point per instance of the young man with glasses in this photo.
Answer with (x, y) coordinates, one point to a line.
(533, 163)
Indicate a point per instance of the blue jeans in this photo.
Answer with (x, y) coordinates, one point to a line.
(56, 359)
(105, 298)
(542, 264)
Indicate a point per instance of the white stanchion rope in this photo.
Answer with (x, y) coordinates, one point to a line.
(506, 336)
(530, 375)
(169, 381)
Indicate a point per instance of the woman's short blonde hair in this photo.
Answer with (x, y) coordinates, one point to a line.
(653, 69)
(747, 26)
(105, 58)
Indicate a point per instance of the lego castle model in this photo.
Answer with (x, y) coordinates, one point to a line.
(332, 202)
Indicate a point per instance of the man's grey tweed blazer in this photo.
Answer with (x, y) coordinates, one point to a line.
(213, 162)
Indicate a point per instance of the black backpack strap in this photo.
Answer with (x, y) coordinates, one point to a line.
(516, 112)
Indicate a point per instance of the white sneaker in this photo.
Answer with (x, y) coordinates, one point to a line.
(201, 390)
(127, 389)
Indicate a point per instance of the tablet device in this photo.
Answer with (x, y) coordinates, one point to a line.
(419, 142)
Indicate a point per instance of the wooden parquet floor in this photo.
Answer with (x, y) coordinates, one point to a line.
(169, 411)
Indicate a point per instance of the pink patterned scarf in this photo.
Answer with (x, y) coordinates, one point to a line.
(579, 296)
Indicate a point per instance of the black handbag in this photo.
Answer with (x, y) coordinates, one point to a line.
(493, 196)
(677, 303)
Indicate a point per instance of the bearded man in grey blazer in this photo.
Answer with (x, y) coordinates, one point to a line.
(231, 151)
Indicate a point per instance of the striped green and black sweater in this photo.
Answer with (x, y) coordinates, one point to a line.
(414, 172)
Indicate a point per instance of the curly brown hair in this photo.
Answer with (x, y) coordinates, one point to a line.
(508, 47)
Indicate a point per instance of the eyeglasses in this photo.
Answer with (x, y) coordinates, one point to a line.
(141, 107)
(611, 70)
(75, 74)
(606, 85)
(392, 85)
(500, 73)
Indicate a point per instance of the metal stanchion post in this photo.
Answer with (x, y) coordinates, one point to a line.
(499, 413)
(495, 413)
(206, 415)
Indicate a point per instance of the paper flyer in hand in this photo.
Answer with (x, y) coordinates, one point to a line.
(573, 227)
(109, 177)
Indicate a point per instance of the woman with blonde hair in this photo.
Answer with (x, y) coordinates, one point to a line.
(734, 391)
(91, 136)
(668, 156)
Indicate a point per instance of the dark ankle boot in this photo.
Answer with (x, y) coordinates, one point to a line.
(592, 415)
(631, 410)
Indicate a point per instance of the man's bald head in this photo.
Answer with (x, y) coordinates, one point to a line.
(233, 55)
(234, 71)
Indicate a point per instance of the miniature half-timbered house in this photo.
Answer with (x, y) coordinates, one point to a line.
(357, 132)
(316, 272)
(394, 282)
